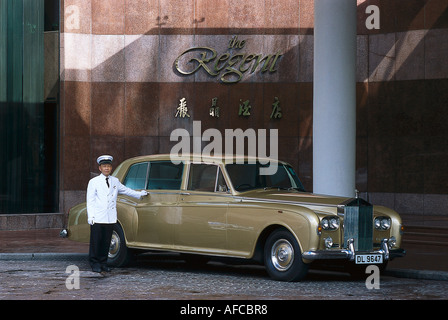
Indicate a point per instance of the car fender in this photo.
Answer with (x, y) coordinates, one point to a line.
(300, 221)
(77, 226)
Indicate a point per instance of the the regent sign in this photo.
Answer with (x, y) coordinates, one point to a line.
(230, 68)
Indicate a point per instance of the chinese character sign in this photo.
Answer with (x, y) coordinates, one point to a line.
(214, 109)
(182, 110)
(244, 109)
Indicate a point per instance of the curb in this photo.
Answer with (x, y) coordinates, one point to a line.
(43, 256)
(398, 273)
(417, 274)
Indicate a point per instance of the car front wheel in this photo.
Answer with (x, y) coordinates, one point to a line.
(119, 254)
(283, 258)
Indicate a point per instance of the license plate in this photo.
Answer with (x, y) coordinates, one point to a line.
(368, 258)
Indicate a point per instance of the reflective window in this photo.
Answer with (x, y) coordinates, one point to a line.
(165, 175)
(206, 177)
(247, 176)
(29, 106)
(137, 176)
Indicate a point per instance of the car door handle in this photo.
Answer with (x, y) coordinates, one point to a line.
(184, 193)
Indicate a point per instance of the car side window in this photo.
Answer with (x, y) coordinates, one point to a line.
(137, 175)
(165, 175)
(206, 177)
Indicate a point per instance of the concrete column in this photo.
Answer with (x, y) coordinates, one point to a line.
(334, 110)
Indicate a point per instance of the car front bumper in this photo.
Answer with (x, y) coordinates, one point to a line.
(349, 253)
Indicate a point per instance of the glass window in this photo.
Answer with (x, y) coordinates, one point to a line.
(165, 175)
(29, 107)
(202, 177)
(137, 176)
(247, 176)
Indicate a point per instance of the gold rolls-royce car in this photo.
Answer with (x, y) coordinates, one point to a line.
(224, 207)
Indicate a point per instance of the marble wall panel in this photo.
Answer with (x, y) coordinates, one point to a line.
(141, 109)
(247, 17)
(137, 146)
(142, 17)
(306, 17)
(282, 17)
(176, 19)
(113, 145)
(410, 55)
(77, 109)
(108, 58)
(108, 17)
(108, 112)
(305, 106)
(306, 58)
(76, 157)
(77, 57)
(141, 56)
(212, 17)
(436, 51)
(382, 57)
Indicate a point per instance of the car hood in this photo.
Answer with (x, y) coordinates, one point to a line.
(315, 202)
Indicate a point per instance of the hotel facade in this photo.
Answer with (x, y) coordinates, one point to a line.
(93, 77)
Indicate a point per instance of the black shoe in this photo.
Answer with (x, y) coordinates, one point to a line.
(105, 268)
(96, 269)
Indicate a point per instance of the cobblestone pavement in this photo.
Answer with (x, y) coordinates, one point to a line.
(159, 276)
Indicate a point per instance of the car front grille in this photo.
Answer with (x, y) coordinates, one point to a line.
(358, 223)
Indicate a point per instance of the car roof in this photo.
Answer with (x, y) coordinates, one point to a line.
(192, 157)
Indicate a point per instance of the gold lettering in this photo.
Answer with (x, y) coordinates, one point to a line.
(266, 60)
(222, 57)
(226, 63)
(272, 68)
(201, 62)
(230, 70)
(247, 59)
(235, 44)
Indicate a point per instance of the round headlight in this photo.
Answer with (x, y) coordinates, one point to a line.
(377, 223)
(385, 224)
(325, 224)
(330, 223)
(382, 223)
(334, 223)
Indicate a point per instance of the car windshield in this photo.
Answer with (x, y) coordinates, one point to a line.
(246, 176)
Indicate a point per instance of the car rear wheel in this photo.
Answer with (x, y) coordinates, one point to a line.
(283, 258)
(119, 254)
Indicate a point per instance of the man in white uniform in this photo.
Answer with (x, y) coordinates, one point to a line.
(102, 194)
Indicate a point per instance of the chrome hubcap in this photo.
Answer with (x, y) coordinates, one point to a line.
(114, 245)
(282, 255)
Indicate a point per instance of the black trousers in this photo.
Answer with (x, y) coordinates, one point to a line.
(100, 237)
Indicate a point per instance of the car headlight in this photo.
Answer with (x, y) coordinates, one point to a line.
(330, 223)
(382, 223)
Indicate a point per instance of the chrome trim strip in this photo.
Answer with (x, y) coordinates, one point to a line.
(288, 202)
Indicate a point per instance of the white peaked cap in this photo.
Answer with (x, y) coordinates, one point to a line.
(104, 159)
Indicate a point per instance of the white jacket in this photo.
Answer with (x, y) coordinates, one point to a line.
(102, 201)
